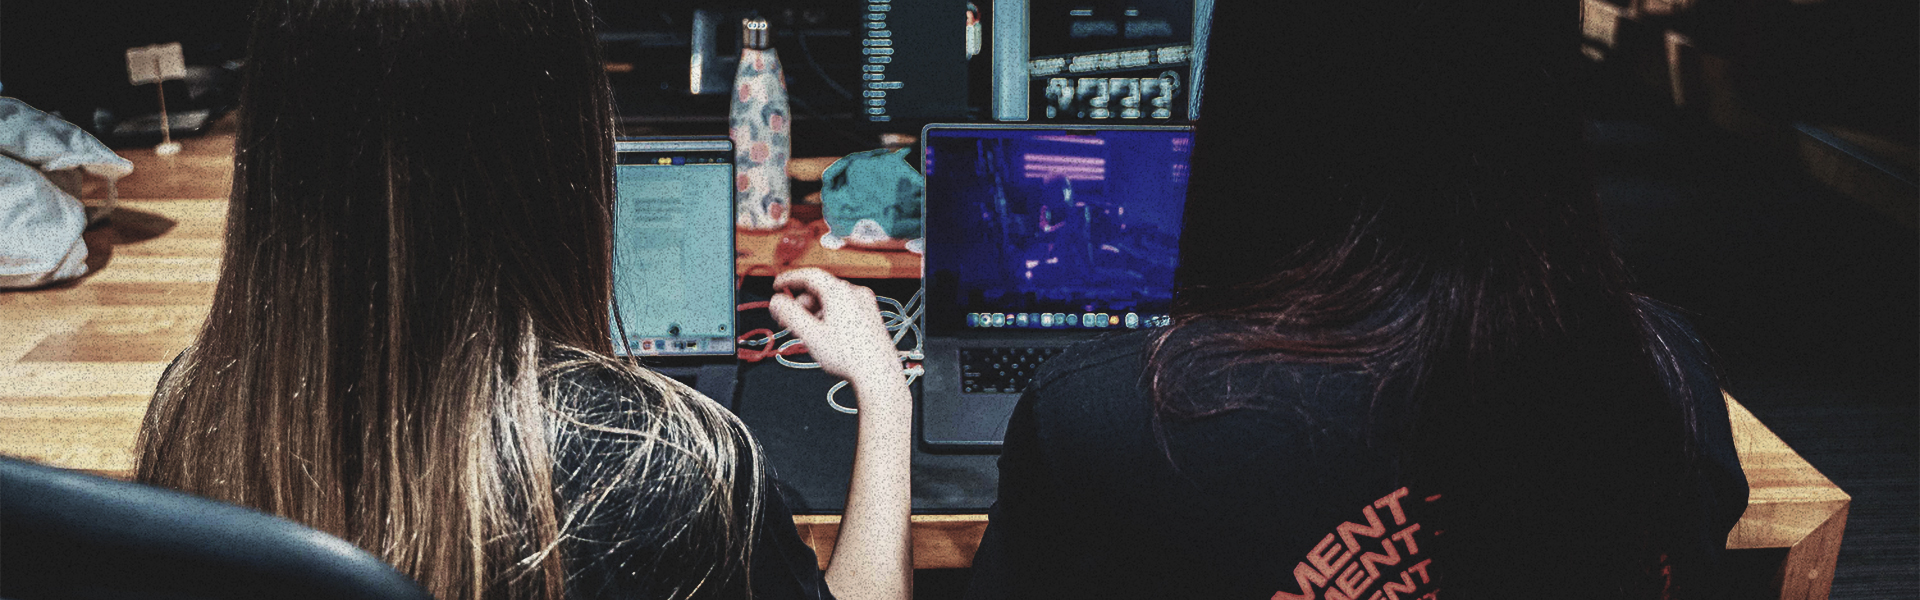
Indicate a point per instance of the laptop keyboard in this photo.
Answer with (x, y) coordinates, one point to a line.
(1000, 370)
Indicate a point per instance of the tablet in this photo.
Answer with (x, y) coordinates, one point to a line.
(673, 250)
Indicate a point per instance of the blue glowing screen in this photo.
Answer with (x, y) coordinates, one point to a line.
(1052, 228)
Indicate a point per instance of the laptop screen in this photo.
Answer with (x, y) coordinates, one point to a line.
(1050, 229)
(673, 247)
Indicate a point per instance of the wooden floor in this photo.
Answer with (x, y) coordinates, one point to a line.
(78, 361)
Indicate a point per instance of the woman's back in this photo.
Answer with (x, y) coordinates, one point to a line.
(419, 207)
(1405, 360)
(1395, 276)
(1289, 495)
(1101, 499)
(633, 474)
(409, 344)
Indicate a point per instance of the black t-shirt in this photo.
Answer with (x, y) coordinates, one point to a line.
(1282, 503)
(627, 543)
(632, 543)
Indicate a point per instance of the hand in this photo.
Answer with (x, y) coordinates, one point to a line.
(839, 323)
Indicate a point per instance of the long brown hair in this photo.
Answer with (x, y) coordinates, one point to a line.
(1397, 187)
(417, 266)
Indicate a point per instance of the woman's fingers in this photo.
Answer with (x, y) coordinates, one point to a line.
(809, 302)
(838, 321)
(823, 293)
(793, 314)
(807, 280)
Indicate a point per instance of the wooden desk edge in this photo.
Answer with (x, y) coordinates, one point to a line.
(1807, 519)
(939, 541)
(1809, 524)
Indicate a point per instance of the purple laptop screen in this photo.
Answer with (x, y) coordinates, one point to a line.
(1049, 229)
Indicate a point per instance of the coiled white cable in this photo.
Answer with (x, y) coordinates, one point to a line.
(792, 363)
(835, 403)
(912, 374)
(902, 319)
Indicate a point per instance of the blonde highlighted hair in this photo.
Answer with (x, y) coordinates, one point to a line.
(416, 281)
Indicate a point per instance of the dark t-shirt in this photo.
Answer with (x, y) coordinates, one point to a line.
(624, 542)
(631, 541)
(1289, 502)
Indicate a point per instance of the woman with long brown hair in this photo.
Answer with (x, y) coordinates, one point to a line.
(409, 342)
(1405, 359)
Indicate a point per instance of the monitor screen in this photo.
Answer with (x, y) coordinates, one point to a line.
(1052, 228)
(673, 247)
(1130, 62)
(913, 60)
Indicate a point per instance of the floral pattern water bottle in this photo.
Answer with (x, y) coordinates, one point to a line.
(760, 132)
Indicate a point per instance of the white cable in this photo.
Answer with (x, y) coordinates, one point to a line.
(783, 360)
(912, 374)
(897, 307)
(913, 327)
(902, 319)
(835, 403)
(913, 322)
(900, 332)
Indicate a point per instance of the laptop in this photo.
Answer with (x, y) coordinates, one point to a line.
(1038, 237)
(673, 260)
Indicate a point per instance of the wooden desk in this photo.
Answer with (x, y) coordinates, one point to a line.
(755, 256)
(84, 415)
(1791, 506)
(939, 541)
(755, 251)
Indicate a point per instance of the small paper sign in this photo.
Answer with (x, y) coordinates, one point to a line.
(152, 64)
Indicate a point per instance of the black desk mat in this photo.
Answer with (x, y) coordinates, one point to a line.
(810, 445)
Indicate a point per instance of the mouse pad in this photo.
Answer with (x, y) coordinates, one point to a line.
(809, 445)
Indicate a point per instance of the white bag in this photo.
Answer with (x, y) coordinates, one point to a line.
(41, 220)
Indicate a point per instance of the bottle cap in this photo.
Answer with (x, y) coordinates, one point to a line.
(755, 34)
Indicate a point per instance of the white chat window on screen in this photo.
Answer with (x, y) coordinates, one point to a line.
(673, 257)
(157, 64)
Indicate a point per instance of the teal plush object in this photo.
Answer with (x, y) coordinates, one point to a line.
(872, 198)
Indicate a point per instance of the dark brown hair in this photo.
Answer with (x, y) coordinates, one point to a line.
(419, 223)
(1398, 187)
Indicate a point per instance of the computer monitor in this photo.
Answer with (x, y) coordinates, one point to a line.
(1117, 61)
(913, 61)
(1048, 228)
(673, 252)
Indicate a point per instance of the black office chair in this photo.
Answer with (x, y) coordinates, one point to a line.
(68, 535)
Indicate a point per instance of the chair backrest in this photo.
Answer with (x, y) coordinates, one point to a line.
(65, 534)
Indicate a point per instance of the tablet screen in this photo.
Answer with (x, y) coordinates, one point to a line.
(673, 247)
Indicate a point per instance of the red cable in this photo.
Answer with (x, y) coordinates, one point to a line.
(757, 355)
(751, 354)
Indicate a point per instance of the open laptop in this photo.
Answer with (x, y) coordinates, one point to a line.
(673, 259)
(1038, 237)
